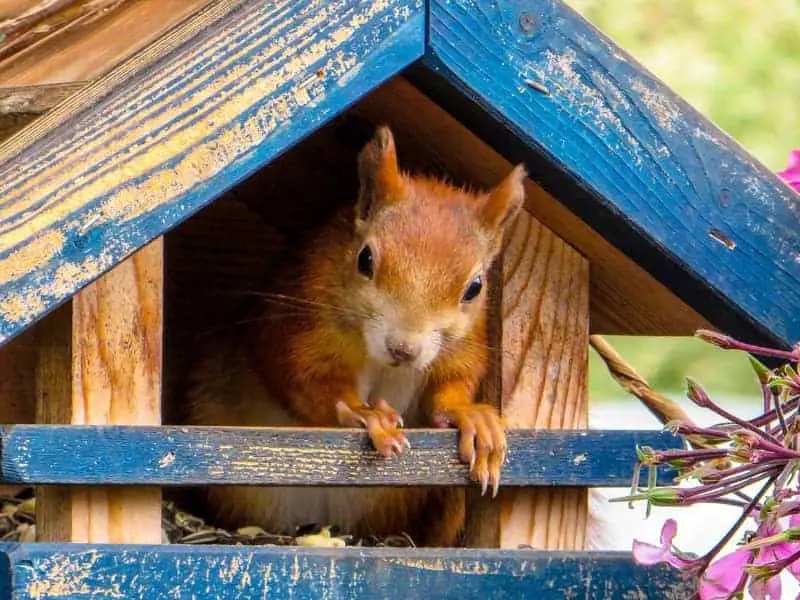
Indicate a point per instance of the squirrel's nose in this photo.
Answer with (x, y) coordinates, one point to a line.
(401, 351)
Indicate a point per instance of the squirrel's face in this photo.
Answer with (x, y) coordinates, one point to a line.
(420, 258)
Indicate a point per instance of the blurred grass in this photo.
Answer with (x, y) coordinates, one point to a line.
(737, 62)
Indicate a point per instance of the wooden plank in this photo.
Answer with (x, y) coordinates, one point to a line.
(114, 455)
(93, 38)
(54, 571)
(628, 156)
(545, 366)
(81, 197)
(18, 379)
(624, 298)
(21, 106)
(35, 99)
(116, 360)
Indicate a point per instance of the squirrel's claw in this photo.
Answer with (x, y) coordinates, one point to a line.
(482, 442)
(381, 424)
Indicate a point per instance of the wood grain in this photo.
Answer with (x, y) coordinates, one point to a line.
(170, 137)
(545, 313)
(176, 455)
(115, 379)
(623, 152)
(18, 379)
(624, 297)
(94, 42)
(35, 99)
(56, 571)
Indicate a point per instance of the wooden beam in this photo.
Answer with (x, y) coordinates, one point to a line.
(87, 40)
(624, 297)
(177, 455)
(623, 152)
(21, 106)
(35, 99)
(46, 571)
(545, 367)
(115, 374)
(253, 79)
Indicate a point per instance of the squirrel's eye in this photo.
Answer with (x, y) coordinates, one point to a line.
(473, 289)
(365, 262)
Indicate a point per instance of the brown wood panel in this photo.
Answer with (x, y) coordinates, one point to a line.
(545, 325)
(94, 42)
(107, 371)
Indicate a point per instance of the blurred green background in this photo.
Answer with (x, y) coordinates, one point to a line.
(738, 62)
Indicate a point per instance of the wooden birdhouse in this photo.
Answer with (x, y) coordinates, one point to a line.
(154, 195)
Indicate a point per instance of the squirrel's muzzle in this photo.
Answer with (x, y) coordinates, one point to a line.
(402, 351)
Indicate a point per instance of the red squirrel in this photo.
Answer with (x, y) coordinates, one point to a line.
(378, 321)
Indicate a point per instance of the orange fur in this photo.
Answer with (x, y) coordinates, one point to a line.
(319, 356)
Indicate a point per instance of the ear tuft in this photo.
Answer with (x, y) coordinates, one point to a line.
(505, 201)
(378, 173)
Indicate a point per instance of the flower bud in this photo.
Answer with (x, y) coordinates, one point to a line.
(697, 394)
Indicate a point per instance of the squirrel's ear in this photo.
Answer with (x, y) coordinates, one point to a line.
(505, 201)
(378, 173)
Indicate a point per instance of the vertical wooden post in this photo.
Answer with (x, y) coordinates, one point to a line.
(543, 368)
(106, 370)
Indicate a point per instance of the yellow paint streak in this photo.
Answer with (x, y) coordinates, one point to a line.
(133, 158)
(65, 576)
(460, 567)
(201, 150)
(17, 304)
(28, 257)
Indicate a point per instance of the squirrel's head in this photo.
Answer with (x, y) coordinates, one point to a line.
(419, 264)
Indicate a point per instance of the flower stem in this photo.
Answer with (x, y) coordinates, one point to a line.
(709, 556)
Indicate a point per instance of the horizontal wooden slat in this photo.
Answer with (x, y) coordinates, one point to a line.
(619, 148)
(77, 454)
(78, 571)
(173, 136)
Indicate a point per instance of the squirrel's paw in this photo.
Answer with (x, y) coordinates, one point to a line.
(482, 442)
(382, 422)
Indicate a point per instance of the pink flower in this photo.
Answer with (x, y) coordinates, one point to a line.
(769, 589)
(725, 576)
(791, 174)
(648, 554)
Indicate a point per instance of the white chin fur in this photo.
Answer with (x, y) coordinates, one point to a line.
(375, 334)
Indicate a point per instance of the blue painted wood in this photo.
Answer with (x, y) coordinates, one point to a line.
(626, 154)
(80, 571)
(72, 454)
(160, 144)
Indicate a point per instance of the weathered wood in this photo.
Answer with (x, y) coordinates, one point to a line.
(623, 152)
(35, 99)
(77, 571)
(20, 106)
(114, 455)
(116, 360)
(91, 38)
(53, 364)
(624, 298)
(79, 198)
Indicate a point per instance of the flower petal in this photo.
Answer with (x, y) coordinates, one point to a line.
(769, 589)
(648, 554)
(668, 532)
(725, 576)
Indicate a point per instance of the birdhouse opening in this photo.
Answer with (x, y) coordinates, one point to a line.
(539, 320)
